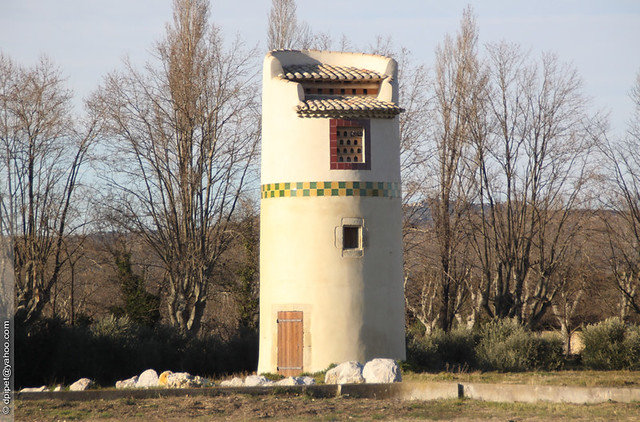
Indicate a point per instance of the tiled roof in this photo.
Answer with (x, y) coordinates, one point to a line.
(315, 72)
(346, 107)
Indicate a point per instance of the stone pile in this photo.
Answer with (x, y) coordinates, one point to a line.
(262, 381)
(235, 382)
(376, 371)
(167, 379)
(147, 379)
(80, 385)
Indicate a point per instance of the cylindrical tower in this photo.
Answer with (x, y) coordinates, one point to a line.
(330, 220)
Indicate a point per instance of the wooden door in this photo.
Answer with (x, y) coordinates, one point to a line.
(290, 343)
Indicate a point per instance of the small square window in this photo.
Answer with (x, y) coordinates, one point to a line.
(351, 237)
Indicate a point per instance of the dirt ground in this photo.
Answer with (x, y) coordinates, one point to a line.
(245, 407)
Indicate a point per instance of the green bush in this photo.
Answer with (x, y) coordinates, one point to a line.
(113, 326)
(458, 348)
(611, 344)
(502, 345)
(632, 342)
(140, 306)
(441, 351)
(505, 345)
(422, 354)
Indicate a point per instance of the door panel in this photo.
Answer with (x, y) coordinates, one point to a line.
(290, 333)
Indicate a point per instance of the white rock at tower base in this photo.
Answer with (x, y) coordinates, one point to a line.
(345, 373)
(235, 382)
(147, 379)
(256, 380)
(381, 371)
(128, 383)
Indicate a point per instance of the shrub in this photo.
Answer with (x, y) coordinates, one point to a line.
(422, 354)
(439, 350)
(611, 344)
(632, 344)
(505, 345)
(502, 345)
(113, 326)
(140, 306)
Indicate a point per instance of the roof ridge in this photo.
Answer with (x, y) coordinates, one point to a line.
(354, 53)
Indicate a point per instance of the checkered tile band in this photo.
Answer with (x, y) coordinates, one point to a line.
(300, 189)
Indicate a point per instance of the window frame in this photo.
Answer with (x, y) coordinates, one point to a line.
(365, 124)
(354, 222)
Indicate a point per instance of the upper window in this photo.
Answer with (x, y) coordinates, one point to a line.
(350, 144)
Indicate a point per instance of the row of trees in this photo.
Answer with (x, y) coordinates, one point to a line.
(513, 139)
(166, 152)
(530, 205)
(516, 203)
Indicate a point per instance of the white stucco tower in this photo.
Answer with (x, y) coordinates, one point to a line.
(330, 221)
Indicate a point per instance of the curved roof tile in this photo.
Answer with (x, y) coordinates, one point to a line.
(325, 71)
(346, 106)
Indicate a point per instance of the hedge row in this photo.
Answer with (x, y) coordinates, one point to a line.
(504, 345)
(51, 352)
(501, 345)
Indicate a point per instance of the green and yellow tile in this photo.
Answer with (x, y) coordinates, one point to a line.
(335, 189)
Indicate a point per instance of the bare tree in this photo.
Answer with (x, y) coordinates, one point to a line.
(284, 31)
(182, 138)
(420, 301)
(42, 154)
(459, 88)
(446, 182)
(531, 151)
(623, 223)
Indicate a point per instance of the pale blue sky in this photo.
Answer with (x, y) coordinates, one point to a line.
(88, 38)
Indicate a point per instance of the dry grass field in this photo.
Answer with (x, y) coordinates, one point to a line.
(245, 407)
(279, 406)
(579, 378)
